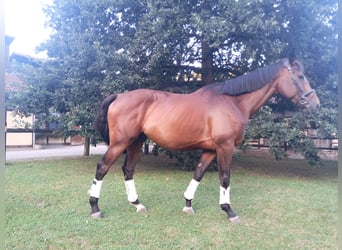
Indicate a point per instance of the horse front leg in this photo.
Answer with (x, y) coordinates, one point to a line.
(189, 194)
(224, 156)
(102, 169)
(132, 156)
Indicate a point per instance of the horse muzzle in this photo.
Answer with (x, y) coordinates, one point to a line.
(309, 102)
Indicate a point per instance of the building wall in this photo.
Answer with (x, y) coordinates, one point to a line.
(19, 129)
(17, 121)
(19, 139)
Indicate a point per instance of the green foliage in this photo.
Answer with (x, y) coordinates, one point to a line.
(283, 134)
(289, 133)
(326, 118)
(37, 95)
(86, 58)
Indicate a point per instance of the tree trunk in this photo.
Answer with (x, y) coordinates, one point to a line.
(86, 148)
(207, 63)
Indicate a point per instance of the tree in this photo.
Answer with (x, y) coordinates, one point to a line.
(219, 35)
(87, 59)
(312, 33)
(100, 47)
(37, 96)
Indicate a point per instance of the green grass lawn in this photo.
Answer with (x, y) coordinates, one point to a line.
(282, 205)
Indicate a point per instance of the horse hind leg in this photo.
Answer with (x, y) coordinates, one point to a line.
(189, 194)
(224, 159)
(132, 157)
(103, 166)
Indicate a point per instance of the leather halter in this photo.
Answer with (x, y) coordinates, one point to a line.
(302, 100)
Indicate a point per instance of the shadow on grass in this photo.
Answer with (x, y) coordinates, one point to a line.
(292, 168)
(256, 165)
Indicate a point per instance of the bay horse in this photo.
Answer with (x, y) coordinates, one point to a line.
(212, 119)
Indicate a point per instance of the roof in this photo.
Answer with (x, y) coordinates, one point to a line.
(14, 83)
(25, 59)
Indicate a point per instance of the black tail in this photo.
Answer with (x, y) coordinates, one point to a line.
(101, 124)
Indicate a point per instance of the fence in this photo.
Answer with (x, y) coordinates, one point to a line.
(322, 144)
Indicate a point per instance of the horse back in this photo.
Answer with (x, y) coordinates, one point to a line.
(178, 121)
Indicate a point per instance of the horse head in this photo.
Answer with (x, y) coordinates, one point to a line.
(294, 85)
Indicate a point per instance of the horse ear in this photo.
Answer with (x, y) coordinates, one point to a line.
(292, 56)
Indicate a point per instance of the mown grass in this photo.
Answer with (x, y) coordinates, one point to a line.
(282, 205)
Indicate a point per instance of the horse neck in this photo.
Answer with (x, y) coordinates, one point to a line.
(250, 103)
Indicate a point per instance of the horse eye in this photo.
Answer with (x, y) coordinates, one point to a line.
(301, 77)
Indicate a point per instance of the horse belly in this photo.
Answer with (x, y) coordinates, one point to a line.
(180, 141)
(179, 132)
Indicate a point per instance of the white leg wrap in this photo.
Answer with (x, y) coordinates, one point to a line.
(191, 190)
(224, 195)
(131, 191)
(95, 189)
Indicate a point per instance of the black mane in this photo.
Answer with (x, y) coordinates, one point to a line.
(249, 82)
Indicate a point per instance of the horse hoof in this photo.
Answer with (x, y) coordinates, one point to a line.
(141, 209)
(235, 220)
(188, 210)
(96, 215)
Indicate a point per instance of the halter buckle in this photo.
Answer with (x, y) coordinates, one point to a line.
(303, 100)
